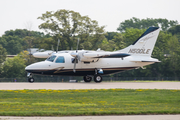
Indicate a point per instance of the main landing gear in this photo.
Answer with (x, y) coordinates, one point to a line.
(30, 78)
(87, 78)
(97, 78)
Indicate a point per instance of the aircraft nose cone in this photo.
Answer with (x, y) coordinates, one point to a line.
(39, 66)
(32, 67)
(28, 68)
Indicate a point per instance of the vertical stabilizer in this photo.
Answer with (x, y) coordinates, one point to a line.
(144, 45)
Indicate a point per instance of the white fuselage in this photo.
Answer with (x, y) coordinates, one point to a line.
(108, 65)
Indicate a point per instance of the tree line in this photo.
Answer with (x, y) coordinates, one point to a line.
(68, 26)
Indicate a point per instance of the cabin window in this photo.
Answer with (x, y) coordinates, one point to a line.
(51, 58)
(60, 59)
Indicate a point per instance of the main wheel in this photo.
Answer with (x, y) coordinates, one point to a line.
(87, 79)
(31, 80)
(97, 78)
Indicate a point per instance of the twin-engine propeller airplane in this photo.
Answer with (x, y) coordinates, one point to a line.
(97, 63)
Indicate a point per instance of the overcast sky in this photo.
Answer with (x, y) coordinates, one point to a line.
(23, 14)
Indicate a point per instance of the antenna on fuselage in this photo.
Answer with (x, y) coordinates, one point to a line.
(76, 57)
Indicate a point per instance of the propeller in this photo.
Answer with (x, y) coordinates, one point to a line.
(57, 46)
(30, 55)
(76, 57)
(54, 51)
(52, 47)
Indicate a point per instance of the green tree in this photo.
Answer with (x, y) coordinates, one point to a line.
(45, 43)
(21, 33)
(110, 35)
(174, 56)
(66, 25)
(29, 42)
(14, 68)
(108, 45)
(13, 44)
(2, 56)
(146, 23)
(28, 59)
(115, 41)
(131, 35)
(174, 30)
(119, 41)
(14, 41)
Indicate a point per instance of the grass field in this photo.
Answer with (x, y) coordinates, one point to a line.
(88, 102)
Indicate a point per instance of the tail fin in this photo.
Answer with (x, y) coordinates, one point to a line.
(144, 45)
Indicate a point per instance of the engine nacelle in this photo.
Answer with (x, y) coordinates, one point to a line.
(82, 58)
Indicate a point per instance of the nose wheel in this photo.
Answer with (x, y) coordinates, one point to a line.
(30, 78)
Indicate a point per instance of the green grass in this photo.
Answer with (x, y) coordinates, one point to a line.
(88, 102)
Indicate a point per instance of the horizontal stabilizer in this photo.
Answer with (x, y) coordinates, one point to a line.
(150, 61)
(153, 61)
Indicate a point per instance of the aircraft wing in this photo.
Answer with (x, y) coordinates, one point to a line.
(105, 55)
(91, 56)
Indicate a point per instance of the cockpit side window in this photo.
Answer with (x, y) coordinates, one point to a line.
(60, 59)
(51, 58)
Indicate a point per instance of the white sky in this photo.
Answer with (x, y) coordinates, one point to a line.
(23, 14)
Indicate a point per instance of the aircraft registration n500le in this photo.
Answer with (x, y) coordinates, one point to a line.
(95, 64)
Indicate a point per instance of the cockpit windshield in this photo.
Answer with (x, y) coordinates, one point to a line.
(51, 58)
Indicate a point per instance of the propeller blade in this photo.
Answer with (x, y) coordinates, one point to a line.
(76, 56)
(57, 46)
(75, 60)
(77, 46)
(52, 47)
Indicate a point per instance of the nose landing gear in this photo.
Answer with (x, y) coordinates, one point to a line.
(30, 78)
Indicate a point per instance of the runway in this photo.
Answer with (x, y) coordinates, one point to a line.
(102, 85)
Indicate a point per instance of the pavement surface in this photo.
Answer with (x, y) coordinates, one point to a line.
(102, 85)
(125, 117)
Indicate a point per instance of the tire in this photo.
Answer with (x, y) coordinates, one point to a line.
(87, 79)
(31, 80)
(97, 78)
